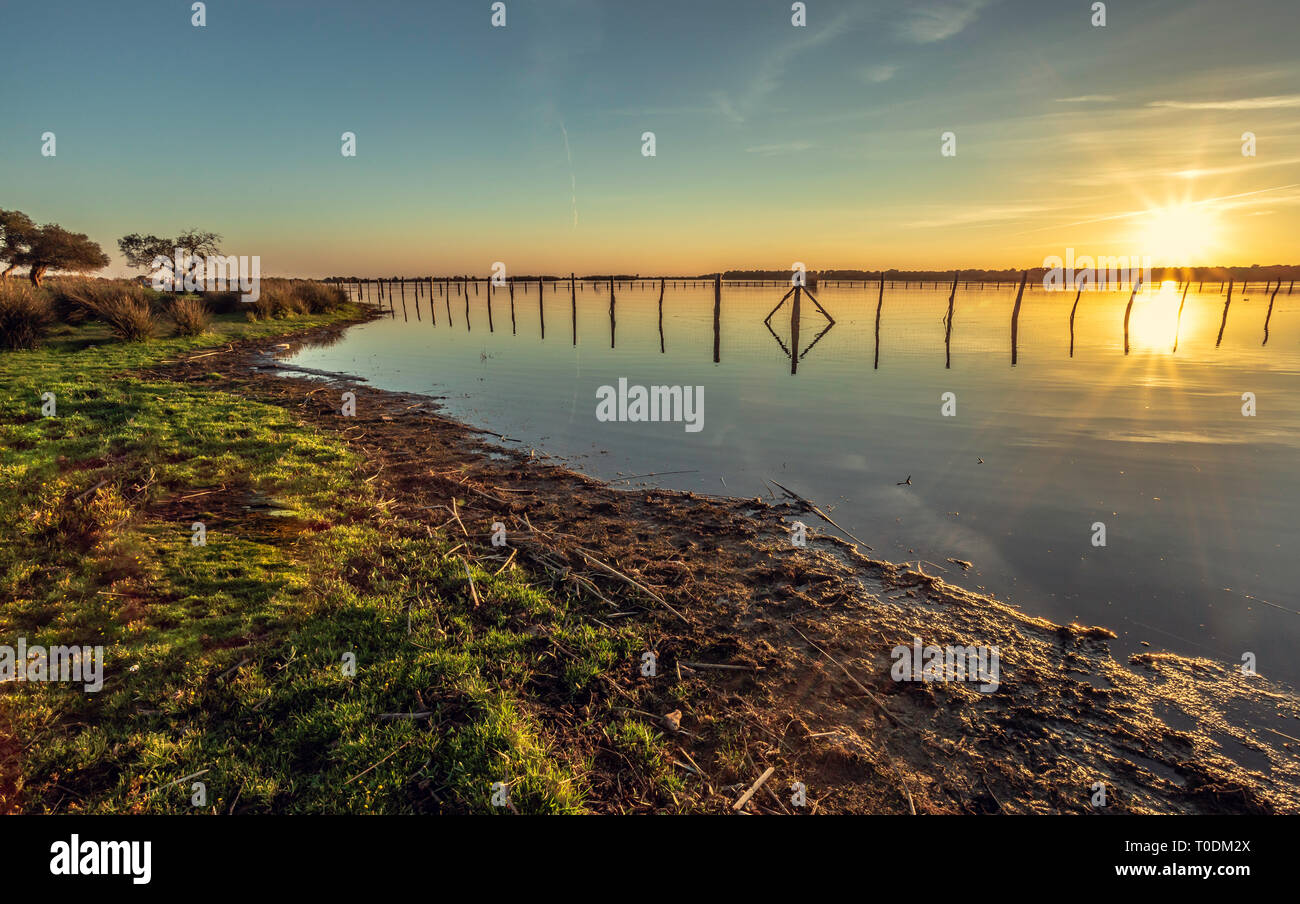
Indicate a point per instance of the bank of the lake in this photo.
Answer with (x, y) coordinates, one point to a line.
(524, 664)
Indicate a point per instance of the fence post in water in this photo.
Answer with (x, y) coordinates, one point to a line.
(433, 308)
(1178, 324)
(512, 306)
(611, 313)
(1269, 315)
(717, 317)
(794, 331)
(465, 288)
(446, 295)
(880, 303)
(1078, 290)
(1015, 320)
(541, 305)
(1129, 310)
(661, 315)
(947, 333)
(573, 303)
(1225, 315)
(489, 306)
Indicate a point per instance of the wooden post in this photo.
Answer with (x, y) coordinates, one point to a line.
(489, 306)
(880, 303)
(433, 308)
(947, 333)
(573, 303)
(1015, 320)
(1269, 315)
(661, 315)
(1078, 291)
(717, 317)
(1128, 311)
(541, 306)
(512, 306)
(794, 332)
(611, 313)
(446, 296)
(1225, 315)
(465, 288)
(1178, 324)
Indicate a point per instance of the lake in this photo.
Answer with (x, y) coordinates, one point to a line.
(1199, 501)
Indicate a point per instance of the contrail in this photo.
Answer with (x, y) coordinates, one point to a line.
(573, 182)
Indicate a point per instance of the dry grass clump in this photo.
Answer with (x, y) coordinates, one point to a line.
(319, 297)
(26, 314)
(125, 308)
(190, 316)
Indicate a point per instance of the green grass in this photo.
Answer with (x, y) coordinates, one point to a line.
(288, 596)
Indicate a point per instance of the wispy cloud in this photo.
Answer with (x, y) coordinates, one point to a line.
(938, 20)
(1087, 99)
(573, 180)
(1275, 102)
(981, 215)
(772, 69)
(774, 150)
(881, 72)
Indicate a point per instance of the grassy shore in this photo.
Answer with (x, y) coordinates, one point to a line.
(227, 659)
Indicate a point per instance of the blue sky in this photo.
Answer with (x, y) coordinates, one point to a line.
(774, 143)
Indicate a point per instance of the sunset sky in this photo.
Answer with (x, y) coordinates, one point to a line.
(774, 143)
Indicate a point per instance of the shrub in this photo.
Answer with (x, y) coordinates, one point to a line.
(125, 308)
(190, 316)
(224, 302)
(25, 314)
(320, 298)
(277, 300)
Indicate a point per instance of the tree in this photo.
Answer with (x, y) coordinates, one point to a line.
(48, 247)
(143, 250)
(16, 231)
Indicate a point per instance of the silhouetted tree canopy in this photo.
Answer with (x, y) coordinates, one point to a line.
(45, 248)
(143, 250)
(16, 231)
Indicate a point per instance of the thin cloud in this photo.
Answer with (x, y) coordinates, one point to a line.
(874, 75)
(938, 20)
(1087, 99)
(573, 180)
(773, 150)
(1275, 102)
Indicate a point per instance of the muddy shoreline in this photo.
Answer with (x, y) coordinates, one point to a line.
(792, 646)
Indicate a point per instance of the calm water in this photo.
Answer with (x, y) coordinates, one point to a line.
(1200, 502)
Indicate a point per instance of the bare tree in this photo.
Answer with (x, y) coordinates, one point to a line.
(148, 250)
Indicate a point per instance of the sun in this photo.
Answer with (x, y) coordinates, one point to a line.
(1178, 235)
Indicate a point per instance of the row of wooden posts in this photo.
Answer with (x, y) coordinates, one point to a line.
(383, 289)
